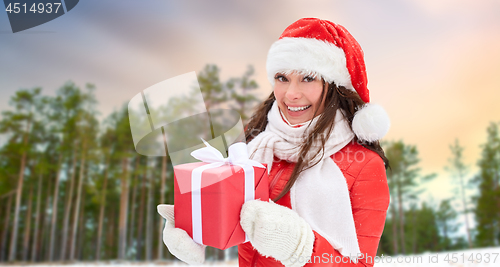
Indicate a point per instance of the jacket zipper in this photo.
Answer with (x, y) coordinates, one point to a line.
(276, 178)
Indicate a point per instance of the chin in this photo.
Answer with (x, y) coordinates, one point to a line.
(298, 121)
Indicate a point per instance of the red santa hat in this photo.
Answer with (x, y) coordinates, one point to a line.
(320, 47)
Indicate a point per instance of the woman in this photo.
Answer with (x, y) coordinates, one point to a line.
(319, 138)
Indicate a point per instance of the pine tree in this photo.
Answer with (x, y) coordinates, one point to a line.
(404, 178)
(488, 200)
(67, 108)
(124, 151)
(445, 218)
(87, 129)
(459, 170)
(211, 87)
(19, 125)
(107, 142)
(427, 231)
(240, 91)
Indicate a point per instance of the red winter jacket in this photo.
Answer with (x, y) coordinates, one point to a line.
(367, 183)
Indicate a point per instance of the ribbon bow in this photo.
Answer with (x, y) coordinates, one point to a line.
(238, 155)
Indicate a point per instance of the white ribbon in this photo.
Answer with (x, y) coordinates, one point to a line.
(238, 155)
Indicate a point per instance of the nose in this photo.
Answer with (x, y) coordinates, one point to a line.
(293, 92)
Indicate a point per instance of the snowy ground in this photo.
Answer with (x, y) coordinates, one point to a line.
(485, 257)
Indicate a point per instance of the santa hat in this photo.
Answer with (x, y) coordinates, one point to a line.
(314, 46)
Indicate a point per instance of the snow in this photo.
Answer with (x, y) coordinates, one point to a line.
(483, 257)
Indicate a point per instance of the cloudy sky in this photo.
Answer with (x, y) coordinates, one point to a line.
(433, 65)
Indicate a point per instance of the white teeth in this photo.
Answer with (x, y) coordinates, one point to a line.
(298, 108)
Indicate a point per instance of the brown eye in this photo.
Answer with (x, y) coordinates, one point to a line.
(281, 78)
(308, 79)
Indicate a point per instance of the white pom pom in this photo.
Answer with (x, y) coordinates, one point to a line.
(371, 123)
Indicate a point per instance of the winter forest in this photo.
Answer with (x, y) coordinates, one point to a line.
(72, 187)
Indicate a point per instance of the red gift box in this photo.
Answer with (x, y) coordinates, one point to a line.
(221, 198)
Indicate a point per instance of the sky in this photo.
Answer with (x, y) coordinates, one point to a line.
(433, 65)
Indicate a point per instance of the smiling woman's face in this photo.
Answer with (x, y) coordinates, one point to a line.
(298, 96)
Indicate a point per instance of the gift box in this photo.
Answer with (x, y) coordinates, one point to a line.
(210, 213)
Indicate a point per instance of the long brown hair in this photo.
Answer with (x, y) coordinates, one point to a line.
(337, 97)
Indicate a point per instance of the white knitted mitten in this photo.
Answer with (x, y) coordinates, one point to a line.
(278, 232)
(178, 242)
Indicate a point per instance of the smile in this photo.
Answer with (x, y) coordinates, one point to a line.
(298, 108)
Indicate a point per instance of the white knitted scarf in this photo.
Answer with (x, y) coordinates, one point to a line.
(319, 195)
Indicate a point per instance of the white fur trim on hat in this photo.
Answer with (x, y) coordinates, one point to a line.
(371, 123)
(310, 56)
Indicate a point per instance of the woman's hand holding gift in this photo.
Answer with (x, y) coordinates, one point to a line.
(278, 232)
(178, 242)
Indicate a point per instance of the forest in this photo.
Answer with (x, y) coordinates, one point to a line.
(73, 188)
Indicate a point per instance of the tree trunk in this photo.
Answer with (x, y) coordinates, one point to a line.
(122, 227)
(162, 201)
(81, 231)
(496, 199)
(2, 215)
(149, 221)
(111, 233)
(34, 247)
(27, 228)
(394, 221)
(445, 230)
(44, 245)
(140, 228)
(464, 206)
(67, 209)
(395, 237)
(133, 204)
(227, 254)
(102, 209)
(401, 217)
(81, 180)
(414, 230)
(55, 199)
(5, 232)
(220, 254)
(13, 240)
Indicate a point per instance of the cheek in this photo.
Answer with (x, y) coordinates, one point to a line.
(278, 93)
(317, 99)
(315, 96)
